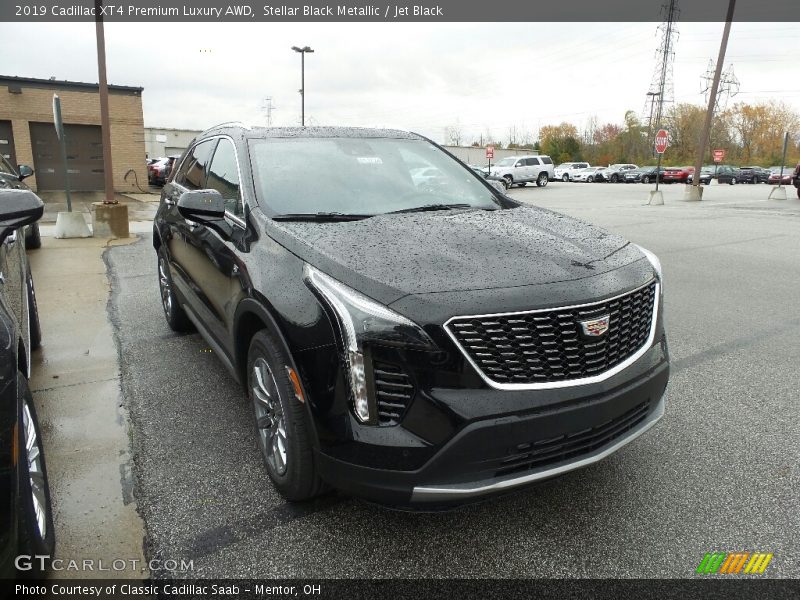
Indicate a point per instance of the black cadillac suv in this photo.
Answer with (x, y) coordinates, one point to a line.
(402, 337)
(26, 518)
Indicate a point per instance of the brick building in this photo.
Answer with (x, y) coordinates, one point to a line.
(27, 134)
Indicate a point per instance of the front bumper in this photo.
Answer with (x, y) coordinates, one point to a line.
(499, 452)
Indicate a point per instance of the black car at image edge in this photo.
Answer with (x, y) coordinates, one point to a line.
(26, 519)
(409, 339)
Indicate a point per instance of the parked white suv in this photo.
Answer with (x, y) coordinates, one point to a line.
(564, 171)
(522, 169)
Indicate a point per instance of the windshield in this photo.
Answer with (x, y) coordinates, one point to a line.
(507, 162)
(361, 176)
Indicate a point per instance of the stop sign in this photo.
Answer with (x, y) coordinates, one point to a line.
(662, 138)
(489, 151)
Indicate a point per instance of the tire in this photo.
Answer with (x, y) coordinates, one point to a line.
(509, 181)
(590, 179)
(614, 178)
(754, 180)
(542, 180)
(281, 423)
(33, 316)
(36, 532)
(733, 181)
(33, 239)
(565, 178)
(645, 179)
(176, 317)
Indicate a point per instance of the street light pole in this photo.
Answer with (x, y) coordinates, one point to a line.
(105, 121)
(302, 51)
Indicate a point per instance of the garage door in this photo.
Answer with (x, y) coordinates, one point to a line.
(7, 142)
(84, 157)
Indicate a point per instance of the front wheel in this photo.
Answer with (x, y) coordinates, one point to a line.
(33, 316)
(176, 317)
(543, 179)
(565, 178)
(509, 181)
(36, 533)
(645, 179)
(733, 181)
(614, 178)
(33, 237)
(282, 428)
(590, 179)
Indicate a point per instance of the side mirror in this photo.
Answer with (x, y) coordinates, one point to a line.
(24, 171)
(17, 209)
(201, 205)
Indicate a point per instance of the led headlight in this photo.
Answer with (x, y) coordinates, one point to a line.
(361, 321)
(653, 261)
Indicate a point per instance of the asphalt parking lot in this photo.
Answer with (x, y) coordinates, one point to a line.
(719, 472)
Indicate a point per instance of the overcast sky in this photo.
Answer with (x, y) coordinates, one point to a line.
(421, 77)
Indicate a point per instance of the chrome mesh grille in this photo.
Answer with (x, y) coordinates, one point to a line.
(548, 346)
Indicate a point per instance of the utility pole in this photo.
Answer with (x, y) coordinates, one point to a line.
(661, 89)
(267, 106)
(303, 51)
(105, 120)
(696, 193)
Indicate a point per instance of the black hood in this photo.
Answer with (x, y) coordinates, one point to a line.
(395, 255)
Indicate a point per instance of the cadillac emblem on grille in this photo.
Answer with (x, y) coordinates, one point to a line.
(595, 327)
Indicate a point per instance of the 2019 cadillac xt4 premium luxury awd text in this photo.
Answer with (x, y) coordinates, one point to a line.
(405, 339)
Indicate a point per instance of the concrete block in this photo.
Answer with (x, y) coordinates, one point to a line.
(692, 193)
(777, 192)
(71, 225)
(110, 220)
(656, 198)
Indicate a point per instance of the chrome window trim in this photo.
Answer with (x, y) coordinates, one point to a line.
(432, 493)
(551, 385)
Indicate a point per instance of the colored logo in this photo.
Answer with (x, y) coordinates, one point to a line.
(595, 327)
(734, 563)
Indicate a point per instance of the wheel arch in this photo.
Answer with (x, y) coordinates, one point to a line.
(251, 317)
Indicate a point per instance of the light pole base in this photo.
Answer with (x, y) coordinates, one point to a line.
(693, 193)
(778, 192)
(71, 225)
(110, 220)
(656, 198)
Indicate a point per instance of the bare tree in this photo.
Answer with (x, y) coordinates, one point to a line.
(453, 134)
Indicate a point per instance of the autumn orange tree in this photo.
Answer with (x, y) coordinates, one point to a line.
(750, 134)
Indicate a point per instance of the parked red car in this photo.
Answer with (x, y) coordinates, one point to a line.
(775, 177)
(677, 174)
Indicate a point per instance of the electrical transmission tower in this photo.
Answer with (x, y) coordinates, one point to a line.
(661, 94)
(267, 106)
(728, 86)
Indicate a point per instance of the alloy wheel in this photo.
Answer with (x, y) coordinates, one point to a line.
(270, 419)
(33, 452)
(164, 285)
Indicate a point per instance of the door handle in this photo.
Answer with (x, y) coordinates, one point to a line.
(192, 224)
(169, 202)
(11, 239)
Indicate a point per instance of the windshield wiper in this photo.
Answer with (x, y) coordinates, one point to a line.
(321, 216)
(431, 207)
